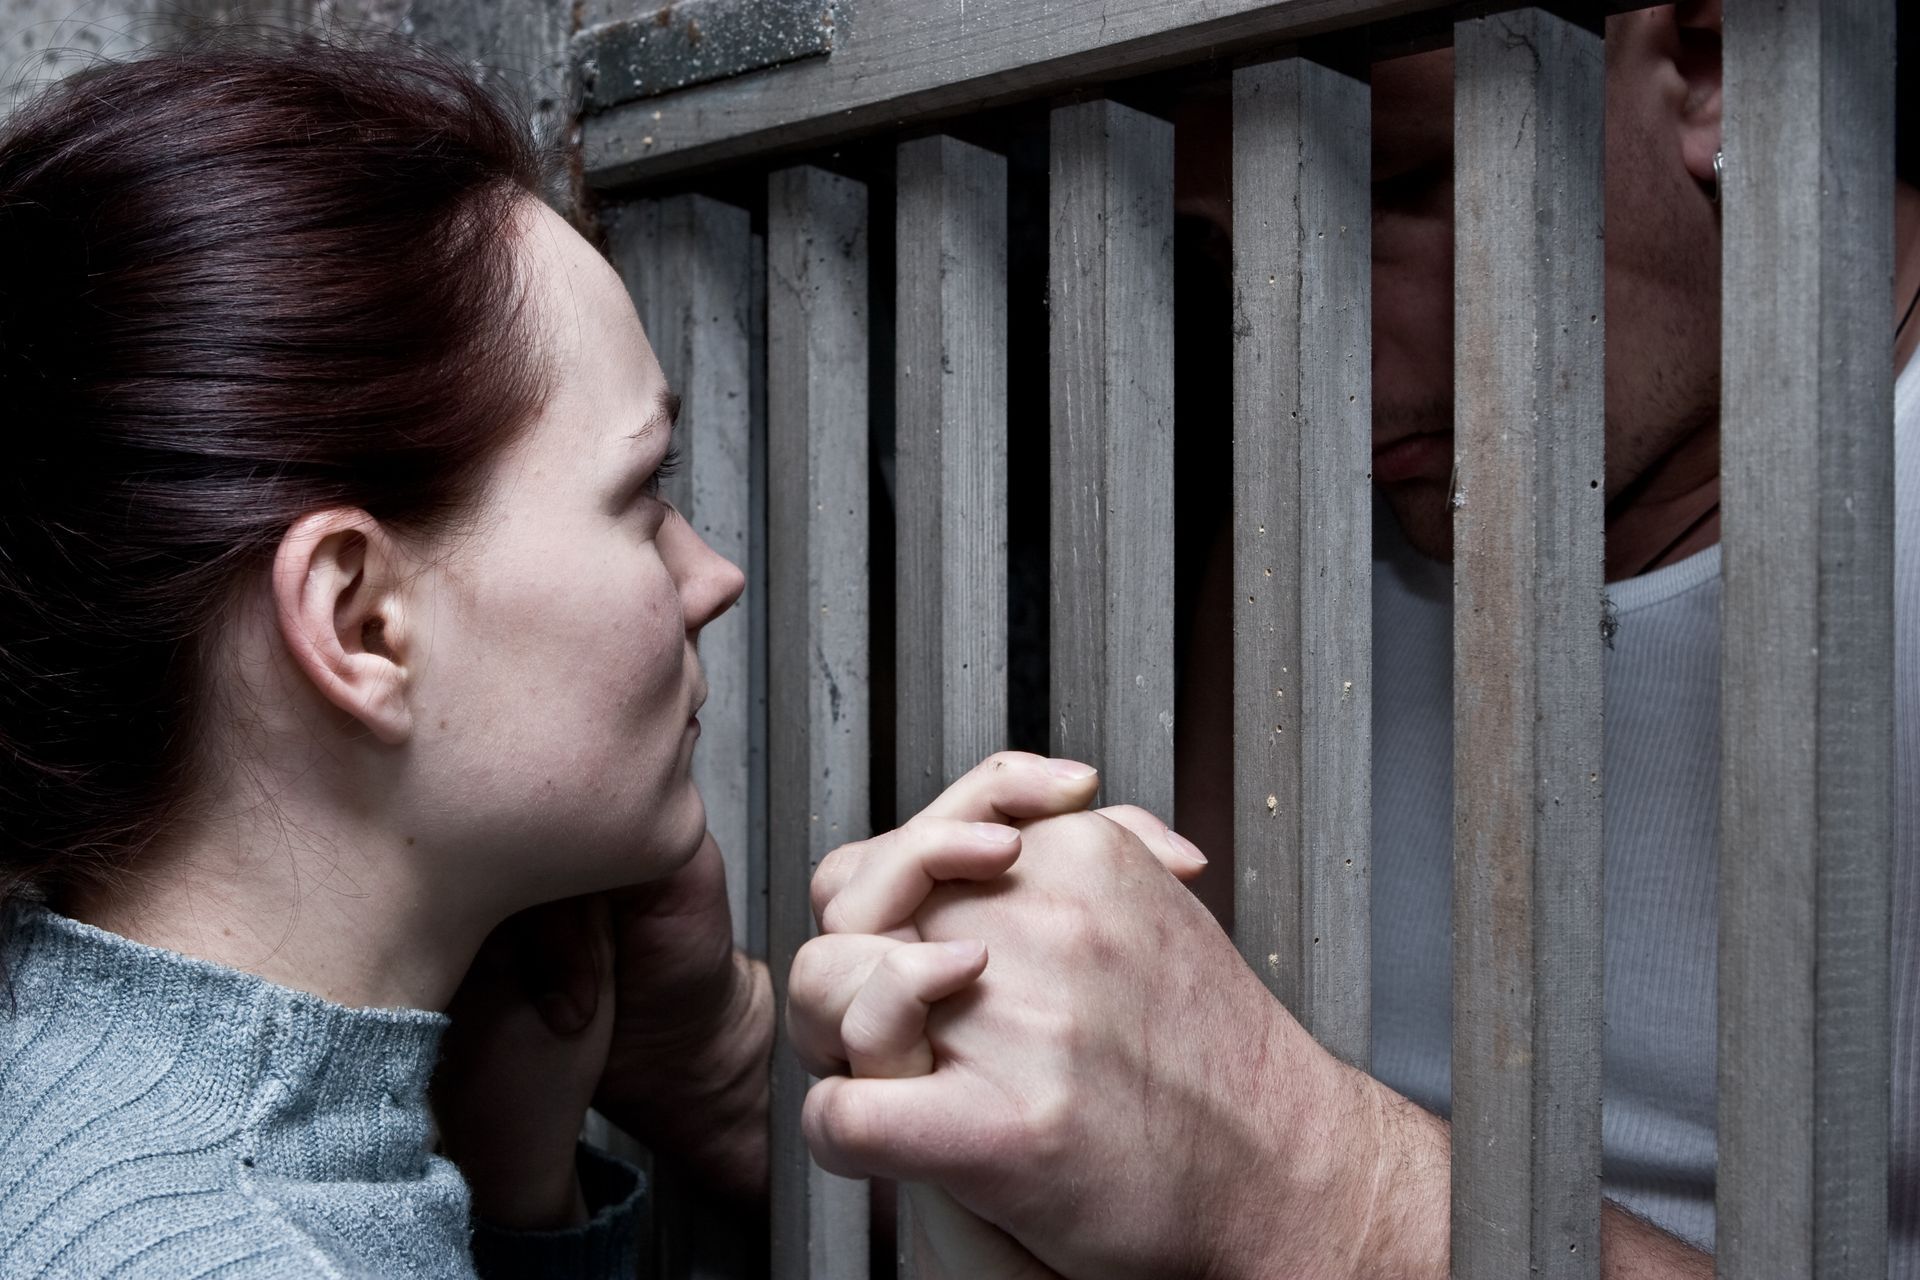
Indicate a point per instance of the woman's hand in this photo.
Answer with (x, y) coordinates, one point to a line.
(882, 1034)
(693, 1032)
(528, 1041)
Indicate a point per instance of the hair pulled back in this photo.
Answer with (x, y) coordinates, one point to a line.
(240, 283)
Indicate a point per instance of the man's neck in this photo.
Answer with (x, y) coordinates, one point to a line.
(1673, 510)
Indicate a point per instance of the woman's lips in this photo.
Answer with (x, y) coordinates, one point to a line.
(1428, 455)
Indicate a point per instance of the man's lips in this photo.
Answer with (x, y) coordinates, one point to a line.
(1427, 455)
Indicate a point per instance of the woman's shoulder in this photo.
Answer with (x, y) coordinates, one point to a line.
(161, 1117)
(113, 1182)
(112, 1224)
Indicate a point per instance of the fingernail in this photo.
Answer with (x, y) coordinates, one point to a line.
(995, 832)
(1070, 769)
(967, 949)
(1186, 846)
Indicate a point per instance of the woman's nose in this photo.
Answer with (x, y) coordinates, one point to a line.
(711, 583)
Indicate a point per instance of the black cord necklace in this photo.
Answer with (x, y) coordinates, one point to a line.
(1902, 326)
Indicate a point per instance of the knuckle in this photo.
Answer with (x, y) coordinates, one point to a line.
(1043, 1135)
(863, 1031)
(841, 1123)
(806, 980)
(906, 970)
(1130, 811)
(833, 873)
(1072, 928)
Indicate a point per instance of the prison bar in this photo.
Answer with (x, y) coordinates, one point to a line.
(818, 704)
(1807, 781)
(689, 261)
(950, 434)
(1528, 646)
(1302, 539)
(1806, 641)
(686, 261)
(1110, 401)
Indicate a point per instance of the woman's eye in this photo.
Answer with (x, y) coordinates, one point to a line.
(669, 465)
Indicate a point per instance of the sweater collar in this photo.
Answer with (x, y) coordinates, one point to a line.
(307, 1079)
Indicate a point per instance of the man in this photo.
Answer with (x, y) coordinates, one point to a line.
(1119, 1093)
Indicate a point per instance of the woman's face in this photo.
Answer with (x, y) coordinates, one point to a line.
(555, 696)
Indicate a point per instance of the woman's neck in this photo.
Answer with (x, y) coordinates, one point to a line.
(300, 900)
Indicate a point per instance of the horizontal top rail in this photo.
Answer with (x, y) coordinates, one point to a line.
(896, 61)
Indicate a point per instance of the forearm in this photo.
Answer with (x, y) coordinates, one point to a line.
(707, 1102)
(1409, 1234)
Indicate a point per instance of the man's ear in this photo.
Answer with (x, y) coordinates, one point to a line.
(1697, 25)
(337, 601)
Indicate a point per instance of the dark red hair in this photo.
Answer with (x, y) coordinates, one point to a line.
(239, 283)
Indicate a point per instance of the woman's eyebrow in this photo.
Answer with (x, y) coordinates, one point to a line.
(666, 412)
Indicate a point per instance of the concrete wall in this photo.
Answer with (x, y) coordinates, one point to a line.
(522, 41)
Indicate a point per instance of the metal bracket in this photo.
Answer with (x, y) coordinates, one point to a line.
(689, 42)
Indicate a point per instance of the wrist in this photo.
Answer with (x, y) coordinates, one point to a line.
(514, 1200)
(1407, 1223)
(706, 1101)
(1354, 1182)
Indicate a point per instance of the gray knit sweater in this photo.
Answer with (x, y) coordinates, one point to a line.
(165, 1117)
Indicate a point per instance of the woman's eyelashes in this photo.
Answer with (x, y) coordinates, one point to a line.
(669, 466)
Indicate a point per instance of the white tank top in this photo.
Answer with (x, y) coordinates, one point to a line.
(1662, 829)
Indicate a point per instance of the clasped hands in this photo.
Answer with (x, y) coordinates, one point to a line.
(1018, 1010)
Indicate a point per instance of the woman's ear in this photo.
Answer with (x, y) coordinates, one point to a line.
(337, 601)
(1697, 25)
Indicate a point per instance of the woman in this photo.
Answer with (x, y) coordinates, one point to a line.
(341, 619)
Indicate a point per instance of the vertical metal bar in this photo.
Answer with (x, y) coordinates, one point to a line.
(1528, 384)
(1111, 344)
(686, 261)
(818, 664)
(1807, 643)
(951, 476)
(1303, 407)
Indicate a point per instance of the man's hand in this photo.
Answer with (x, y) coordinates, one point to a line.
(1117, 1090)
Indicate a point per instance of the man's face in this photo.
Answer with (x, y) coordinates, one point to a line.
(1662, 279)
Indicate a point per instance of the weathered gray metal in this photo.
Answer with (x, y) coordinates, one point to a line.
(1110, 286)
(689, 42)
(1807, 644)
(1528, 647)
(1302, 537)
(817, 348)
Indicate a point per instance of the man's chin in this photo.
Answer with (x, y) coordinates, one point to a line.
(1420, 507)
